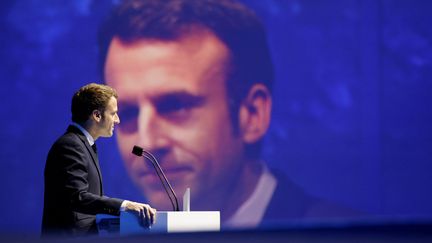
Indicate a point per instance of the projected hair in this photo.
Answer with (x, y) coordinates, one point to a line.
(89, 98)
(233, 23)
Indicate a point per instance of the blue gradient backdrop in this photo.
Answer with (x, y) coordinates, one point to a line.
(352, 112)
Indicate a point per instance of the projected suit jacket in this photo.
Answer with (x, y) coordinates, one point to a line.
(291, 203)
(73, 187)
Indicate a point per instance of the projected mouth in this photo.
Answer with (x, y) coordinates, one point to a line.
(174, 174)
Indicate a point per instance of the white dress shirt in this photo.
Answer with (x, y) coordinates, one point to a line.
(251, 212)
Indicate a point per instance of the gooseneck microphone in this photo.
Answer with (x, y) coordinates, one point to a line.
(138, 151)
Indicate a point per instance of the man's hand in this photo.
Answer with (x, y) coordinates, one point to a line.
(145, 213)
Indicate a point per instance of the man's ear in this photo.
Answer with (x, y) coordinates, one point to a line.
(254, 114)
(96, 115)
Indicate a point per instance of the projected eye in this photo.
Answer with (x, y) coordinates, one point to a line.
(129, 118)
(177, 106)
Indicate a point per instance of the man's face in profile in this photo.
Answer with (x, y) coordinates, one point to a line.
(173, 102)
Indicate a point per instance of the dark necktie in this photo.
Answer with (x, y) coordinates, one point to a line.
(94, 148)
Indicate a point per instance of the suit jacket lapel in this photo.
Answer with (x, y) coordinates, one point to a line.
(94, 156)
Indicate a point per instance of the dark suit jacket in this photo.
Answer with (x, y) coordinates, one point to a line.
(290, 202)
(73, 187)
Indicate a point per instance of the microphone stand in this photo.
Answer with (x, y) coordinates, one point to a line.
(159, 171)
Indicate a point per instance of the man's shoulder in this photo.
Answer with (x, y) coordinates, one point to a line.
(69, 139)
(291, 201)
(66, 145)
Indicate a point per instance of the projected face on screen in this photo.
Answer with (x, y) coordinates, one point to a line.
(173, 103)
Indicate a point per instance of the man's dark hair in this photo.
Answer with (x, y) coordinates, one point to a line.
(89, 98)
(233, 23)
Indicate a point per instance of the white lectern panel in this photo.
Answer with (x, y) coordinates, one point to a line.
(173, 222)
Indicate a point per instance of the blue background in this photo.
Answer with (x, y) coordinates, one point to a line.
(352, 100)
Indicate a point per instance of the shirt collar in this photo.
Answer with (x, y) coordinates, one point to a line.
(251, 212)
(89, 137)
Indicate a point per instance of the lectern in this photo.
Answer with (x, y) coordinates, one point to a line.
(169, 222)
(166, 222)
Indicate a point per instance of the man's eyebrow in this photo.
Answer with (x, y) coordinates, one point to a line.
(179, 96)
(183, 97)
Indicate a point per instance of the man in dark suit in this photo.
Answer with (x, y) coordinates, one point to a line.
(73, 181)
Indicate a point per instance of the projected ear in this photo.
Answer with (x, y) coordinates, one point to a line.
(254, 113)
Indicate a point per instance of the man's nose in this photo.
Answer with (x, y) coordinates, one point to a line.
(117, 119)
(152, 135)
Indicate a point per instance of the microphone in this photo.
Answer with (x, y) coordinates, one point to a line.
(138, 151)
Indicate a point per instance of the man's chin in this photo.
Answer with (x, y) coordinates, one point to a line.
(160, 201)
(108, 135)
(157, 197)
(153, 190)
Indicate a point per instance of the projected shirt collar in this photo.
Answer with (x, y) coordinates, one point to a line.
(251, 212)
(89, 137)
